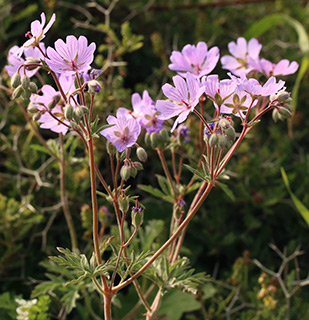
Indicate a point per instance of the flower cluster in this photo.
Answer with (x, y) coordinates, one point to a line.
(70, 64)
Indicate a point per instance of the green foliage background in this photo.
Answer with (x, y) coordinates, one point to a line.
(262, 211)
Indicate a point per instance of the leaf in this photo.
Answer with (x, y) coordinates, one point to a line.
(197, 173)
(156, 192)
(176, 303)
(69, 300)
(302, 209)
(41, 148)
(226, 190)
(164, 184)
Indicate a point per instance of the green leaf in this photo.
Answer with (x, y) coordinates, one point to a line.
(176, 303)
(39, 147)
(164, 184)
(226, 190)
(302, 209)
(156, 192)
(197, 173)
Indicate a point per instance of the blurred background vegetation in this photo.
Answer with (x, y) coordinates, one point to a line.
(136, 39)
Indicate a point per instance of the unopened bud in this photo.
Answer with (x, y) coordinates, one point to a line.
(137, 216)
(111, 149)
(133, 171)
(223, 141)
(276, 115)
(224, 123)
(147, 139)
(32, 108)
(94, 87)
(53, 102)
(285, 112)
(282, 96)
(213, 140)
(17, 92)
(125, 173)
(141, 154)
(138, 166)
(79, 111)
(33, 87)
(15, 80)
(36, 116)
(154, 140)
(25, 81)
(230, 133)
(68, 111)
(123, 203)
(164, 135)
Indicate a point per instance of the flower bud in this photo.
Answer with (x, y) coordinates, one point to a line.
(230, 133)
(138, 166)
(123, 203)
(17, 92)
(15, 80)
(78, 113)
(147, 139)
(285, 113)
(137, 216)
(154, 140)
(224, 123)
(68, 111)
(94, 87)
(213, 140)
(36, 116)
(164, 135)
(223, 141)
(26, 94)
(53, 102)
(32, 108)
(275, 115)
(282, 96)
(33, 87)
(25, 81)
(141, 154)
(125, 173)
(133, 171)
(111, 149)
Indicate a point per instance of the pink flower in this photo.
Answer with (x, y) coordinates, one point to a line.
(241, 53)
(218, 90)
(41, 102)
(73, 56)
(37, 32)
(282, 68)
(255, 89)
(184, 97)
(194, 59)
(124, 133)
(15, 62)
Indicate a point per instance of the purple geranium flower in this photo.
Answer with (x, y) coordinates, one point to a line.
(124, 133)
(241, 53)
(185, 96)
(194, 59)
(73, 56)
(41, 102)
(218, 90)
(37, 32)
(15, 62)
(254, 88)
(283, 67)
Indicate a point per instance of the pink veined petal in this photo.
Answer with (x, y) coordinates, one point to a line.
(171, 93)
(111, 120)
(188, 52)
(36, 28)
(168, 109)
(55, 60)
(60, 50)
(72, 47)
(82, 48)
(238, 49)
(43, 19)
(193, 85)
(254, 48)
(135, 99)
(181, 87)
(201, 50)
(182, 117)
(211, 60)
(284, 67)
(87, 56)
(50, 23)
(229, 63)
